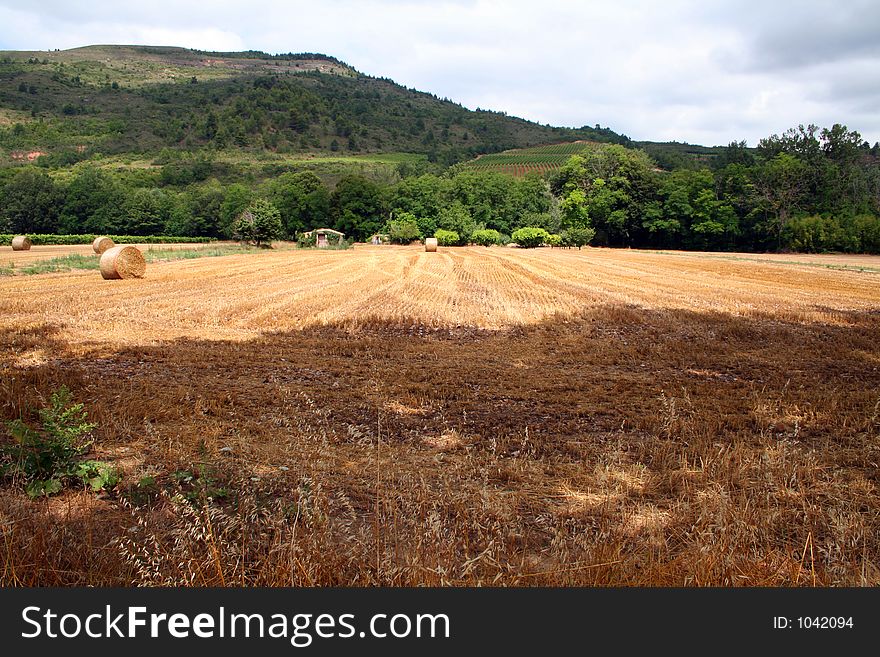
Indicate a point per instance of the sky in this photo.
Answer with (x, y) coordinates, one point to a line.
(705, 72)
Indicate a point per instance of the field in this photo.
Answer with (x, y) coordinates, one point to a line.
(49, 252)
(476, 416)
(523, 161)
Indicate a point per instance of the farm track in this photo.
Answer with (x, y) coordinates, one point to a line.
(472, 416)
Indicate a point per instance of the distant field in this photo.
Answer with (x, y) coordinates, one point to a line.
(382, 415)
(523, 161)
(37, 253)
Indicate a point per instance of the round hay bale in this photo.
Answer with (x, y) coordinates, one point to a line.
(431, 245)
(124, 261)
(101, 244)
(21, 243)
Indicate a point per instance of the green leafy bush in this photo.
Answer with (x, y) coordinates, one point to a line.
(577, 236)
(486, 237)
(529, 238)
(447, 237)
(553, 240)
(48, 457)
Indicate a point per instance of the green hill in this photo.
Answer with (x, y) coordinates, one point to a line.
(69, 105)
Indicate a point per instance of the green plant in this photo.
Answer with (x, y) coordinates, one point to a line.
(403, 231)
(553, 240)
(47, 458)
(259, 223)
(577, 236)
(447, 237)
(529, 238)
(486, 237)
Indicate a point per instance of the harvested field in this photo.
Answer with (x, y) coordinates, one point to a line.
(494, 416)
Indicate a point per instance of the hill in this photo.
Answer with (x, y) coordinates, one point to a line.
(68, 105)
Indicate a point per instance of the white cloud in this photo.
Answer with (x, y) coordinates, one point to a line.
(685, 70)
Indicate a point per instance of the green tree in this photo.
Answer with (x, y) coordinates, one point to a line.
(456, 218)
(780, 182)
(578, 236)
(260, 223)
(30, 202)
(358, 207)
(303, 200)
(403, 229)
(235, 201)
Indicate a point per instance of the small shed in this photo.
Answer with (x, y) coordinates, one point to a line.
(325, 236)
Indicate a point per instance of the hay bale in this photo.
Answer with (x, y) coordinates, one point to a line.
(431, 245)
(124, 261)
(21, 243)
(101, 244)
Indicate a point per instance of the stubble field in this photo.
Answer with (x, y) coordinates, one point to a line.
(496, 416)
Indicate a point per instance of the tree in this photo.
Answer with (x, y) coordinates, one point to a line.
(235, 200)
(574, 210)
(94, 203)
(578, 236)
(147, 211)
(781, 184)
(403, 229)
(456, 219)
(30, 202)
(358, 207)
(259, 223)
(303, 201)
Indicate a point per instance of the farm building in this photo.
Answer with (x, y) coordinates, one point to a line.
(323, 237)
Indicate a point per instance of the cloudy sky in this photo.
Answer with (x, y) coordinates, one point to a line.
(703, 72)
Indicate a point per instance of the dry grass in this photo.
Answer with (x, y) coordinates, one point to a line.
(379, 416)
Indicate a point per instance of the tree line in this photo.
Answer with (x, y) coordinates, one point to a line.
(805, 190)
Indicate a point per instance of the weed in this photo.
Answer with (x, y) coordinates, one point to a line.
(48, 457)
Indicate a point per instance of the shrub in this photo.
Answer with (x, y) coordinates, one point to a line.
(486, 237)
(529, 238)
(49, 457)
(553, 240)
(577, 236)
(447, 237)
(307, 240)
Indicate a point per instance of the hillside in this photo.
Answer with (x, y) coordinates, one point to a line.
(69, 105)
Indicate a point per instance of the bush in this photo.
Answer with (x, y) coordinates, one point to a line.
(447, 237)
(486, 237)
(47, 458)
(577, 236)
(529, 238)
(553, 240)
